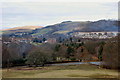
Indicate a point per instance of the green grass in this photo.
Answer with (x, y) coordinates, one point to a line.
(61, 32)
(72, 71)
(34, 43)
(43, 31)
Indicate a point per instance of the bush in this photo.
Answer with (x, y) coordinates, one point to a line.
(72, 59)
(38, 58)
(18, 62)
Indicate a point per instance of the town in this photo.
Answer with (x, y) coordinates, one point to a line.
(99, 35)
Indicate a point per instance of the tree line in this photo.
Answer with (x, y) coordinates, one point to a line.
(16, 54)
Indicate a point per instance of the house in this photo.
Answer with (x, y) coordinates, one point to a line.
(51, 40)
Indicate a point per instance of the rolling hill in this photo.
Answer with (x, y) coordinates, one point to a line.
(23, 27)
(20, 29)
(64, 29)
(68, 27)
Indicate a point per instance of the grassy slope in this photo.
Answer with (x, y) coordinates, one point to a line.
(43, 31)
(61, 32)
(23, 27)
(73, 71)
(19, 29)
(9, 32)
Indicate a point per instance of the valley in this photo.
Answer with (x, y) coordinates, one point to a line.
(67, 44)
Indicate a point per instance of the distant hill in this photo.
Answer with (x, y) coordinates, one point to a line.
(64, 29)
(67, 27)
(20, 29)
(23, 27)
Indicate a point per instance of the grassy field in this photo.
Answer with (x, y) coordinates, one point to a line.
(61, 32)
(43, 31)
(71, 71)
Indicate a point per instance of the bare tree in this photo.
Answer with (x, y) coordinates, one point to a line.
(37, 57)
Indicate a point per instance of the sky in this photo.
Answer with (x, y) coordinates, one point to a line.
(17, 14)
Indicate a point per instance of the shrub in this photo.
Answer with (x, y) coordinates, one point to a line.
(38, 58)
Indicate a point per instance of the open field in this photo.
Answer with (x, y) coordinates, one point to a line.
(71, 71)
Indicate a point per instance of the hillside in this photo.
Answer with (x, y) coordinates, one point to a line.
(23, 27)
(66, 28)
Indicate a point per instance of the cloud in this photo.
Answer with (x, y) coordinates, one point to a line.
(45, 13)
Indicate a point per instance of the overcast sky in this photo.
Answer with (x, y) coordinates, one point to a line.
(15, 14)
